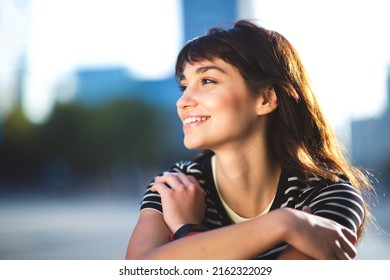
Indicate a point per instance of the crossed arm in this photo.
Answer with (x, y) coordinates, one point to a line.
(308, 236)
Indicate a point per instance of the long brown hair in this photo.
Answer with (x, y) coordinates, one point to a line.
(299, 135)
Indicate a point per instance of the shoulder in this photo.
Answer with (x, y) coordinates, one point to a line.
(189, 167)
(339, 201)
(317, 187)
(328, 189)
(194, 167)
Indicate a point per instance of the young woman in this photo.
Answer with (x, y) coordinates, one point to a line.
(273, 182)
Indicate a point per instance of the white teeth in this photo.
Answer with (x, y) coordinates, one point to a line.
(194, 119)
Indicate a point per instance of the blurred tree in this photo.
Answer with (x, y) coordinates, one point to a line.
(80, 143)
(16, 152)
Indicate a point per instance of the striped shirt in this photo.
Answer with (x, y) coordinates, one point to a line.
(339, 201)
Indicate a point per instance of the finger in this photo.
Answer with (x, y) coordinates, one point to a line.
(343, 251)
(338, 251)
(160, 188)
(192, 178)
(307, 209)
(190, 182)
(187, 180)
(348, 245)
(350, 235)
(196, 183)
(345, 244)
(171, 180)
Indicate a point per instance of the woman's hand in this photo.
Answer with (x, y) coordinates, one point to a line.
(182, 199)
(318, 237)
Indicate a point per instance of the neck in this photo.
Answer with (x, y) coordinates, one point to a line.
(247, 178)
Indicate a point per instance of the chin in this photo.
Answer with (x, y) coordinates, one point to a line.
(193, 145)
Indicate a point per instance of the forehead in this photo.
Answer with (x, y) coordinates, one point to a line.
(199, 67)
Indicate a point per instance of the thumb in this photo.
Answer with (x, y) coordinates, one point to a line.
(306, 209)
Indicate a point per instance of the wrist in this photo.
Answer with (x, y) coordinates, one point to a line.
(280, 222)
(287, 224)
(188, 229)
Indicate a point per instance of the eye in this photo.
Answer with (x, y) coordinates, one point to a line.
(208, 81)
(182, 88)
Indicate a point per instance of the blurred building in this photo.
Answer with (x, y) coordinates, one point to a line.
(94, 86)
(370, 139)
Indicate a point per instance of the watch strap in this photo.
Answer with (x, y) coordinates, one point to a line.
(188, 229)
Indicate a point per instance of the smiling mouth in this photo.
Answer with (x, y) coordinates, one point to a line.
(194, 120)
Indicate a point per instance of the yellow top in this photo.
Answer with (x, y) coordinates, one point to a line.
(233, 215)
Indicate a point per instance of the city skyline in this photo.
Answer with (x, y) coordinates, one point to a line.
(348, 71)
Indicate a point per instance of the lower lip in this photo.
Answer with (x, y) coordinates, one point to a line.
(193, 124)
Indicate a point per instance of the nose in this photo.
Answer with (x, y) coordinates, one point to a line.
(186, 100)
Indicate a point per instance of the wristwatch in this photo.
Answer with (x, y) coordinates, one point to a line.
(188, 229)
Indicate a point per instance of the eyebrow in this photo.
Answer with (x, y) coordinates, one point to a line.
(209, 67)
(204, 69)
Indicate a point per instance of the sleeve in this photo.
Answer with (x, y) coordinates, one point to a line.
(152, 200)
(340, 202)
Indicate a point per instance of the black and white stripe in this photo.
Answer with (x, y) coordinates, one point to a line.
(337, 201)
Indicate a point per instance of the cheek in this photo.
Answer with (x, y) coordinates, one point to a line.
(236, 106)
(236, 118)
(240, 111)
(226, 102)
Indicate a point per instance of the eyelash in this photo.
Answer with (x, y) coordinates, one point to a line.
(208, 81)
(205, 81)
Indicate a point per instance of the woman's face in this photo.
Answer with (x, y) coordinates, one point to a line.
(216, 107)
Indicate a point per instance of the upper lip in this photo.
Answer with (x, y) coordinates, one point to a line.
(194, 118)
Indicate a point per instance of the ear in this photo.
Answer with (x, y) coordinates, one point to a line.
(267, 101)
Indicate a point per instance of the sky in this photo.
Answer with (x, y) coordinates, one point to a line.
(343, 43)
(97, 33)
(345, 47)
